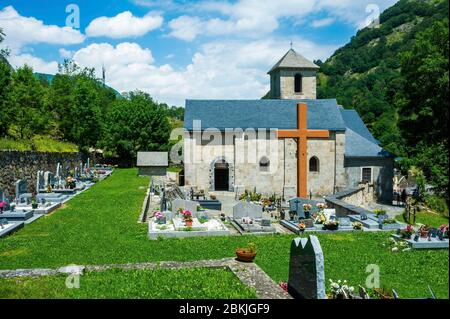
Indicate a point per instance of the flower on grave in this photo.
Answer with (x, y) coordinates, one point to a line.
(283, 285)
(321, 206)
(301, 226)
(158, 215)
(307, 207)
(187, 215)
(2, 204)
(357, 225)
(340, 290)
(320, 218)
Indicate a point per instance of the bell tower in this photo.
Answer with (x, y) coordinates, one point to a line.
(293, 78)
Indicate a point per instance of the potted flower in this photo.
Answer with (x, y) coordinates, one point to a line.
(444, 230)
(222, 217)
(320, 218)
(306, 209)
(301, 226)
(246, 254)
(321, 206)
(423, 231)
(407, 232)
(379, 212)
(34, 203)
(331, 225)
(187, 217)
(70, 182)
(160, 218)
(357, 225)
(2, 206)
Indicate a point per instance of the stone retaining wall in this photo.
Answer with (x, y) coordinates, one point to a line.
(349, 202)
(24, 165)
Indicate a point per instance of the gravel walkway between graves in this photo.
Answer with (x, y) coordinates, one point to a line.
(250, 274)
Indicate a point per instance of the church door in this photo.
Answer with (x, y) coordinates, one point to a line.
(221, 176)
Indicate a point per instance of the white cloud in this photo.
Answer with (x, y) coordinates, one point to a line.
(123, 25)
(66, 54)
(21, 31)
(185, 27)
(219, 70)
(36, 63)
(257, 18)
(322, 22)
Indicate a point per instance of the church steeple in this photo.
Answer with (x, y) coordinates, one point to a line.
(293, 77)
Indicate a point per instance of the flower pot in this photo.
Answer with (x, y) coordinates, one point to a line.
(424, 234)
(245, 255)
(188, 223)
(34, 206)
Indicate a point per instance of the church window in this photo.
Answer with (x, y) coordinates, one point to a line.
(264, 163)
(298, 83)
(313, 164)
(366, 174)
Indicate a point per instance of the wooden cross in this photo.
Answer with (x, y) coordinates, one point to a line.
(301, 134)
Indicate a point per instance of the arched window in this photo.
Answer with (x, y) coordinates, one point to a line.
(264, 163)
(313, 164)
(298, 83)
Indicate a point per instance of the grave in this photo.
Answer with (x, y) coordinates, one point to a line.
(17, 215)
(306, 269)
(7, 227)
(248, 218)
(23, 197)
(185, 205)
(425, 243)
(213, 204)
(365, 221)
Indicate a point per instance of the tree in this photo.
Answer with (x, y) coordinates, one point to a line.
(136, 123)
(5, 80)
(26, 105)
(85, 120)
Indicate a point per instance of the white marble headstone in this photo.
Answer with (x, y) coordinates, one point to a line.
(245, 209)
(185, 205)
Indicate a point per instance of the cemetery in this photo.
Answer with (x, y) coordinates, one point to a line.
(51, 192)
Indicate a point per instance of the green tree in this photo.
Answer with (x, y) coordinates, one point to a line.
(85, 121)
(136, 123)
(25, 99)
(5, 80)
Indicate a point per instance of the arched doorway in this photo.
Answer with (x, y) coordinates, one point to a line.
(221, 176)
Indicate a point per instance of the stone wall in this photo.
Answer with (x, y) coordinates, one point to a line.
(16, 165)
(349, 202)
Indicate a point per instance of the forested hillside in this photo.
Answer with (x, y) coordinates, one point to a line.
(396, 76)
(73, 109)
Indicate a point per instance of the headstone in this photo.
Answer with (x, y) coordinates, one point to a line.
(2, 196)
(265, 222)
(296, 205)
(328, 212)
(40, 181)
(306, 269)
(381, 218)
(21, 188)
(75, 172)
(58, 170)
(88, 163)
(185, 205)
(432, 232)
(245, 209)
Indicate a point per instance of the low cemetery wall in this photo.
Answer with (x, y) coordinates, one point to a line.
(24, 165)
(349, 202)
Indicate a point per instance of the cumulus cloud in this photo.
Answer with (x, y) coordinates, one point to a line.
(123, 25)
(66, 54)
(218, 70)
(256, 18)
(21, 31)
(36, 63)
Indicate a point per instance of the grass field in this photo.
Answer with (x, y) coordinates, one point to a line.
(100, 227)
(426, 218)
(161, 283)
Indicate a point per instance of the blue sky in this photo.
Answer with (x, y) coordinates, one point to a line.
(176, 50)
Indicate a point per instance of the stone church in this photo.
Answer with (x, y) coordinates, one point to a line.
(291, 144)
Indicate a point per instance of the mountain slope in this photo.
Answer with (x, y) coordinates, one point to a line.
(366, 74)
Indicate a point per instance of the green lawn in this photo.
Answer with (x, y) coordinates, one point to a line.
(100, 227)
(161, 283)
(426, 218)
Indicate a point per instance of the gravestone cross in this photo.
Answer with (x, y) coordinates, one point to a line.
(302, 134)
(306, 269)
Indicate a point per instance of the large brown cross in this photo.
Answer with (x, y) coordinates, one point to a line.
(301, 134)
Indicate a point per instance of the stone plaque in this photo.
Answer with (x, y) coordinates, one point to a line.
(244, 209)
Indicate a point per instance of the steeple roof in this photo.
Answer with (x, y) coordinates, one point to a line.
(293, 60)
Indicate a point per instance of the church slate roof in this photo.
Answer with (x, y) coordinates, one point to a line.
(269, 114)
(293, 60)
(359, 142)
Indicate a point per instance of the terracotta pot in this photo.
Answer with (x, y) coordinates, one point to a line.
(188, 223)
(424, 233)
(245, 255)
